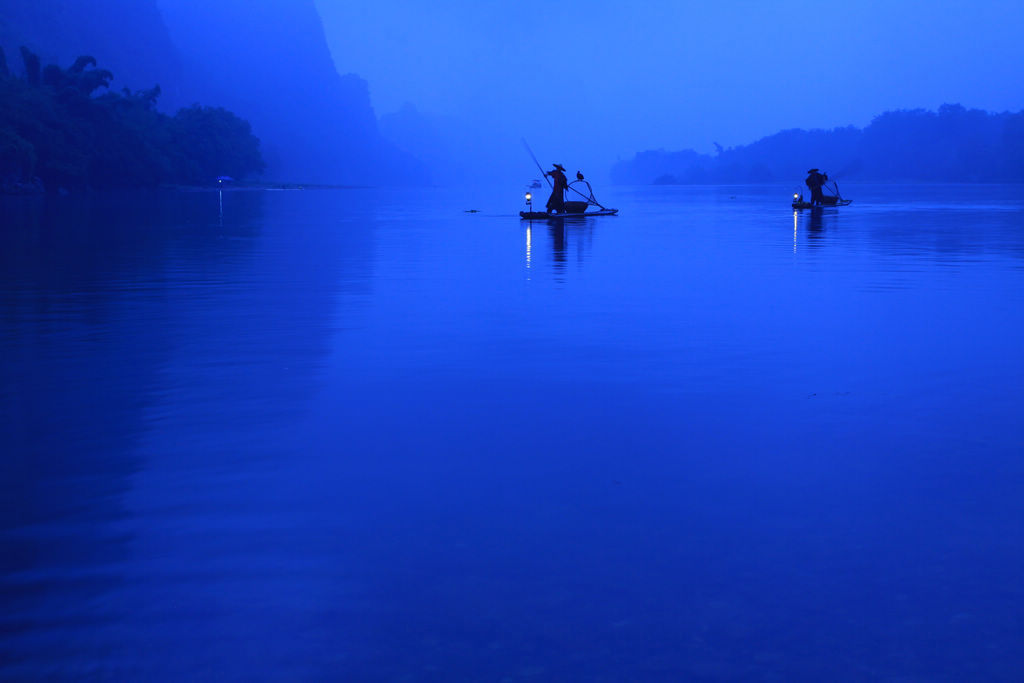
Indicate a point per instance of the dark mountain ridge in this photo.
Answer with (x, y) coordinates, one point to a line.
(953, 144)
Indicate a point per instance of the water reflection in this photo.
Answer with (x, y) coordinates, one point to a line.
(340, 438)
(82, 290)
(148, 340)
(816, 219)
(566, 237)
(815, 222)
(529, 244)
(556, 230)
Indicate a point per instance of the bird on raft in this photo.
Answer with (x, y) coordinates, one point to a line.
(579, 176)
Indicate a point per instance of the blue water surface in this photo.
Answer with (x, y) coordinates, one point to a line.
(366, 435)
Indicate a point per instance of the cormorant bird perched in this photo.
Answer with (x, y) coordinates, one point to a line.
(579, 176)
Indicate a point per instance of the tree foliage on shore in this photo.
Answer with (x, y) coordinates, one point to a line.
(56, 130)
(953, 144)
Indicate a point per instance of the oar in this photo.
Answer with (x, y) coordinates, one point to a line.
(541, 168)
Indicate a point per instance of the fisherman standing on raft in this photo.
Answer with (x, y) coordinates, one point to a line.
(556, 202)
(815, 181)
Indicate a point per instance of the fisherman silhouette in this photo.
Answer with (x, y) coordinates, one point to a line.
(814, 181)
(556, 202)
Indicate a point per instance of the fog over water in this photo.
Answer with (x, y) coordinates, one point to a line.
(409, 93)
(590, 82)
(332, 421)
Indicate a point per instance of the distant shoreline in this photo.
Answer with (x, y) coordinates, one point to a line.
(953, 145)
(24, 190)
(244, 186)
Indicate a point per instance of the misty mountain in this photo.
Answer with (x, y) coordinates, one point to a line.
(453, 150)
(128, 37)
(953, 144)
(267, 61)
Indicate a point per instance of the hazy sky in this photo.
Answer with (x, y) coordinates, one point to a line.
(600, 80)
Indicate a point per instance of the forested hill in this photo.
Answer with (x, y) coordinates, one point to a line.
(953, 144)
(266, 61)
(62, 128)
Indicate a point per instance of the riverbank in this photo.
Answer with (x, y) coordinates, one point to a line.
(249, 186)
(20, 189)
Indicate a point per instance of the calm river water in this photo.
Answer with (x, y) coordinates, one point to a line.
(363, 435)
